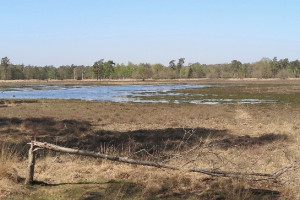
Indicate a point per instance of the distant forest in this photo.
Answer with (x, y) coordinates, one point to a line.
(265, 68)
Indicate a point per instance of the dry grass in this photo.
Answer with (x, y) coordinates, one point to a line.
(152, 182)
(9, 178)
(247, 138)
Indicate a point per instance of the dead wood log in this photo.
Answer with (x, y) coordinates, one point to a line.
(57, 148)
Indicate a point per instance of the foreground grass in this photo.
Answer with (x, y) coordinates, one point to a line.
(262, 137)
(104, 180)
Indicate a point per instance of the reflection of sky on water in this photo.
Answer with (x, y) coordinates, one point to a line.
(101, 93)
(124, 93)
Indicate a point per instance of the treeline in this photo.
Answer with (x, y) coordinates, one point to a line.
(265, 68)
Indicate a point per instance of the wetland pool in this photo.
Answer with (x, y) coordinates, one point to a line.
(124, 93)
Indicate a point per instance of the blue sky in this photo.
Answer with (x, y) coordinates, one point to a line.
(62, 32)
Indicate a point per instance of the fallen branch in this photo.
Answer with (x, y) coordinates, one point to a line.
(285, 169)
(57, 148)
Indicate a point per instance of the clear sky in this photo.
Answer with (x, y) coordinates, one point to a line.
(64, 32)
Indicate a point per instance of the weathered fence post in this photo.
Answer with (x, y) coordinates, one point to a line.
(31, 163)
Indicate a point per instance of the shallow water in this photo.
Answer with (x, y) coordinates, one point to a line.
(123, 93)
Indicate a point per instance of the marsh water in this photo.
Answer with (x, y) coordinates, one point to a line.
(120, 93)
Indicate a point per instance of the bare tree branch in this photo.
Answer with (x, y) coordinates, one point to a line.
(149, 163)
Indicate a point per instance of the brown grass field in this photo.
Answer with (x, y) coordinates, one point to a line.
(237, 137)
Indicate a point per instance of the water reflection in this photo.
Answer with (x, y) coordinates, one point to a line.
(123, 93)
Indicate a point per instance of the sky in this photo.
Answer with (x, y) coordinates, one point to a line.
(80, 32)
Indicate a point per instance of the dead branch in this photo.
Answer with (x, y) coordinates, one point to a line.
(31, 163)
(57, 148)
(285, 169)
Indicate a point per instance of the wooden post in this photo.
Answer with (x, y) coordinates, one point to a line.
(31, 163)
